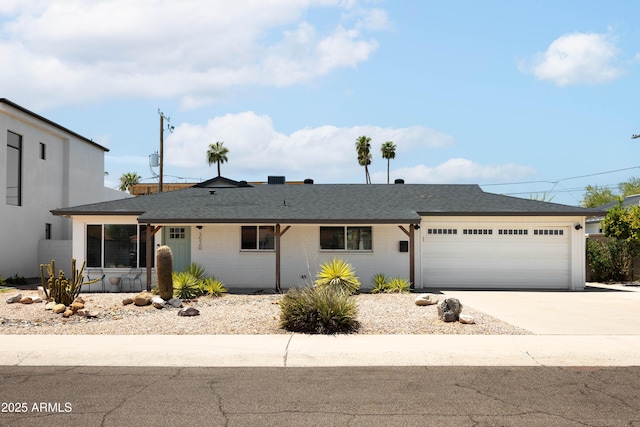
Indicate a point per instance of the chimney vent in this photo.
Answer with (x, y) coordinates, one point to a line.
(308, 181)
(399, 181)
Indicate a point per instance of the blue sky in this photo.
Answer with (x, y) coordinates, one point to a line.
(520, 97)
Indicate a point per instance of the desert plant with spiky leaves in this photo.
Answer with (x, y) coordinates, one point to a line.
(212, 287)
(61, 289)
(314, 310)
(379, 282)
(338, 274)
(185, 286)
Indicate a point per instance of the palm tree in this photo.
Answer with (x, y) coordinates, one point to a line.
(217, 153)
(388, 152)
(363, 148)
(127, 180)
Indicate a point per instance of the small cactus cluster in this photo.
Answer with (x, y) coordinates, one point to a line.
(59, 288)
(164, 270)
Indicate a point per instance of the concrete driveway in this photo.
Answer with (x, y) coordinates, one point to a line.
(598, 310)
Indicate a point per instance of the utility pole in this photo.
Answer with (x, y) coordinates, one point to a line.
(170, 129)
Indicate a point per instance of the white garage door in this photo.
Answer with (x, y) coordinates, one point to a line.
(495, 257)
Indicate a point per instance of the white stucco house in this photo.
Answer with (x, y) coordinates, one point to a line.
(261, 236)
(44, 166)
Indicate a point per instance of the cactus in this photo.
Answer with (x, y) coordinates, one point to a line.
(164, 269)
(61, 289)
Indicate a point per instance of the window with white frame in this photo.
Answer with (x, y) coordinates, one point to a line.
(257, 237)
(346, 238)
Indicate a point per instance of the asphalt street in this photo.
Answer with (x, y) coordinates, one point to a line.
(346, 396)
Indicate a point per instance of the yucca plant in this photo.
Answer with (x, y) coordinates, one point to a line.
(338, 275)
(185, 286)
(318, 310)
(398, 285)
(212, 287)
(197, 271)
(379, 282)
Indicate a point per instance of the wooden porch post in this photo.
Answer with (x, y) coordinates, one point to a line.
(278, 234)
(151, 231)
(412, 253)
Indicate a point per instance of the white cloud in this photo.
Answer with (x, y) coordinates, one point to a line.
(460, 170)
(69, 51)
(577, 58)
(257, 149)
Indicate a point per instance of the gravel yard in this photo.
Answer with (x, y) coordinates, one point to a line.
(233, 314)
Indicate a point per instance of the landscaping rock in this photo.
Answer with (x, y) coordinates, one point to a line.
(79, 299)
(50, 305)
(87, 314)
(67, 313)
(41, 293)
(77, 306)
(158, 302)
(191, 311)
(142, 299)
(449, 310)
(26, 300)
(59, 308)
(427, 299)
(36, 300)
(175, 302)
(466, 319)
(127, 301)
(14, 299)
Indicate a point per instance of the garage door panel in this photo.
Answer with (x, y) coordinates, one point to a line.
(527, 260)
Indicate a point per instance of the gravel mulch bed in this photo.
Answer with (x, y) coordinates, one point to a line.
(394, 314)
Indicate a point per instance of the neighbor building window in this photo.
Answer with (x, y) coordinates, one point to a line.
(346, 238)
(116, 246)
(257, 237)
(14, 169)
(47, 231)
(43, 151)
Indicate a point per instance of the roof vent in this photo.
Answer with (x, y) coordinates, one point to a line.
(399, 181)
(308, 181)
(275, 180)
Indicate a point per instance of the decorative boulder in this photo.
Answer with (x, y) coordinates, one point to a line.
(158, 302)
(127, 301)
(449, 310)
(466, 319)
(59, 308)
(77, 306)
(191, 311)
(26, 300)
(41, 293)
(426, 299)
(67, 313)
(175, 302)
(142, 299)
(50, 305)
(14, 299)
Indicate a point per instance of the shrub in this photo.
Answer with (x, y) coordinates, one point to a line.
(398, 285)
(185, 286)
(610, 260)
(15, 280)
(318, 310)
(338, 274)
(379, 282)
(212, 287)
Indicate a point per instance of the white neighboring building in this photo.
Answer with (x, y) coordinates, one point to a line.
(43, 166)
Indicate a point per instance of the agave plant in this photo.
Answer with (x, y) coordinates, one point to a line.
(197, 271)
(212, 287)
(185, 286)
(338, 274)
(398, 285)
(379, 282)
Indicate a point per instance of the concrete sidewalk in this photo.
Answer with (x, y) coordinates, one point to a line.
(297, 350)
(597, 327)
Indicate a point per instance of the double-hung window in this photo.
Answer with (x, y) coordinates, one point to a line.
(346, 238)
(260, 237)
(14, 169)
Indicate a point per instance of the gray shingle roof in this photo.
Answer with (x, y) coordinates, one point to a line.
(321, 203)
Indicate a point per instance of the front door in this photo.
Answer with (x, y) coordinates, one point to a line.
(179, 240)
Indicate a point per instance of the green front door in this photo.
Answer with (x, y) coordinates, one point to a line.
(179, 240)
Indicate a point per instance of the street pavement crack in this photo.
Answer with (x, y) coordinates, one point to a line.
(286, 351)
